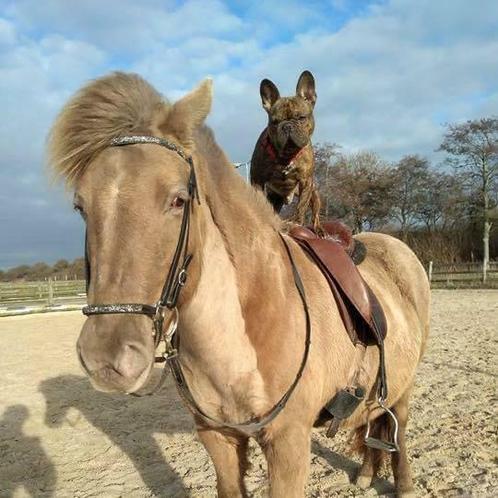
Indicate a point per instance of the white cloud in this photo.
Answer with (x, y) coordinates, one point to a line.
(7, 33)
(382, 80)
(387, 75)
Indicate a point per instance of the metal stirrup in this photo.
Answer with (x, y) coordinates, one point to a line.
(378, 444)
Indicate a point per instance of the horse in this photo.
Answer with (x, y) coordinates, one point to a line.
(146, 175)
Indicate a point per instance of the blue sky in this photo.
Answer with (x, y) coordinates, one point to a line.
(389, 74)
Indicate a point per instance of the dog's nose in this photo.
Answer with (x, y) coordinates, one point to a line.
(286, 127)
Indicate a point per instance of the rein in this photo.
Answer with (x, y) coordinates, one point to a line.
(175, 281)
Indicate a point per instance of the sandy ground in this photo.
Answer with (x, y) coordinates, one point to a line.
(59, 437)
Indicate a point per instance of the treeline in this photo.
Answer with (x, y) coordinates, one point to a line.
(61, 270)
(445, 212)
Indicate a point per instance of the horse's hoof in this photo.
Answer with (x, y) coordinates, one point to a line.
(363, 482)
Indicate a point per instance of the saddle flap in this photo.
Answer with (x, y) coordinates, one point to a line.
(342, 274)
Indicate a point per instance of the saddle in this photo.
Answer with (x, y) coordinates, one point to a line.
(337, 255)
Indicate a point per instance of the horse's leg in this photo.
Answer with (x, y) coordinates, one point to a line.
(229, 456)
(371, 462)
(399, 460)
(288, 455)
(372, 459)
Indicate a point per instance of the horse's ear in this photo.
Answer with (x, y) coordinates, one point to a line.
(188, 113)
(305, 87)
(269, 94)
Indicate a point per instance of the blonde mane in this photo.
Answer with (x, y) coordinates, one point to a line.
(117, 104)
(123, 104)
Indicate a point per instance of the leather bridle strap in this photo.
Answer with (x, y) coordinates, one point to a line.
(175, 281)
(257, 423)
(177, 274)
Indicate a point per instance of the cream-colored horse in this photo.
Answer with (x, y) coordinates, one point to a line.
(242, 325)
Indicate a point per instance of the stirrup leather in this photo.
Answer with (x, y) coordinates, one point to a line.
(378, 444)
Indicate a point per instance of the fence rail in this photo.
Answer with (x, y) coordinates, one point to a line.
(55, 292)
(48, 292)
(462, 273)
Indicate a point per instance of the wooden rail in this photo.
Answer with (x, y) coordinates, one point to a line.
(462, 273)
(47, 291)
(50, 292)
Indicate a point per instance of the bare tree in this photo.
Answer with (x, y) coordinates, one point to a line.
(473, 148)
(360, 188)
(443, 202)
(411, 178)
(326, 155)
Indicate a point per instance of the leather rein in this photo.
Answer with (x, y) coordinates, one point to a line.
(175, 281)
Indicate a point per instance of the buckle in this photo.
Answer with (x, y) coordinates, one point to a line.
(182, 277)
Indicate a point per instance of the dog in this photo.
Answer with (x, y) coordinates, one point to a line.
(282, 164)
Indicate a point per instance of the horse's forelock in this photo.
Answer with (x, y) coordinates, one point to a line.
(117, 104)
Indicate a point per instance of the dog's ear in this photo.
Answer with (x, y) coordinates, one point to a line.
(306, 87)
(269, 94)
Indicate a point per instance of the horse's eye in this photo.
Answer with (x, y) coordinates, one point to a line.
(78, 209)
(177, 202)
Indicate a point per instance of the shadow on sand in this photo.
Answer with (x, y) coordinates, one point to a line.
(129, 422)
(351, 468)
(23, 461)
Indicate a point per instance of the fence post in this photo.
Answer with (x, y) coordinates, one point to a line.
(50, 301)
(430, 271)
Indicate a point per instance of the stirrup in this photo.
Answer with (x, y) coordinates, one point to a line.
(379, 444)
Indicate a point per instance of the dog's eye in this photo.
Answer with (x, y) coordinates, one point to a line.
(302, 118)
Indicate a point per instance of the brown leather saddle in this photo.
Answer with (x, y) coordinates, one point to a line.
(337, 256)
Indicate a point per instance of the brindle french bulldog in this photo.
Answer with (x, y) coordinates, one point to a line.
(282, 163)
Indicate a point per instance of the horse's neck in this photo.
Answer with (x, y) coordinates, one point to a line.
(216, 351)
(234, 316)
(235, 265)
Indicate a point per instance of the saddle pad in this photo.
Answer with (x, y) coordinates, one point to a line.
(360, 309)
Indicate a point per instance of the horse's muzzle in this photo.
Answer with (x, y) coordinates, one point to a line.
(113, 365)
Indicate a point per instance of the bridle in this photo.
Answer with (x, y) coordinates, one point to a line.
(175, 281)
(177, 274)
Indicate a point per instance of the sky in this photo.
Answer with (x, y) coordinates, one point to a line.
(389, 74)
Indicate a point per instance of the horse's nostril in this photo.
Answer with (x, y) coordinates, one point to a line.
(132, 360)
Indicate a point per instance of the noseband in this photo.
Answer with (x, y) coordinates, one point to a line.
(175, 281)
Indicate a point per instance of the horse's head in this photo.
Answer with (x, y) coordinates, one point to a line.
(132, 199)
